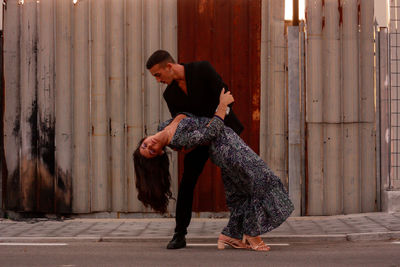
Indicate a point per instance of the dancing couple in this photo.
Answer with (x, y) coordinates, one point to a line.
(204, 124)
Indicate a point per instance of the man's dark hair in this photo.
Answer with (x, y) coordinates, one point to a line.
(159, 56)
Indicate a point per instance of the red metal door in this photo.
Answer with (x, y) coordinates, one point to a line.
(227, 33)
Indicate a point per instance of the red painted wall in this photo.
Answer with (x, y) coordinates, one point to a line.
(227, 33)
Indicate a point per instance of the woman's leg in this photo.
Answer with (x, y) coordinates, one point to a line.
(236, 202)
(269, 205)
(234, 228)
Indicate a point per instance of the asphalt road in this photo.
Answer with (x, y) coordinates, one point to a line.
(154, 254)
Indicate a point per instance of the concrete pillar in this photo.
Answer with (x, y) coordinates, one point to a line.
(46, 102)
(12, 94)
(315, 189)
(276, 124)
(81, 174)
(314, 104)
(351, 168)
(314, 61)
(152, 42)
(64, 107)
(169, 42)
(331, 63)
(303, 128)
(367, 108)
(367, 111)
(295, 113)
(134, 96)
(100, 126)
(332, 110)
(117, 95)
(368, 173)
(350, 69)
(333, 170)
(28, 124)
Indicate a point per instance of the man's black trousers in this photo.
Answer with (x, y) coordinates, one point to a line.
(194, 162)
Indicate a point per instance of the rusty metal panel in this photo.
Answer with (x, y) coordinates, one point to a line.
(228, 35)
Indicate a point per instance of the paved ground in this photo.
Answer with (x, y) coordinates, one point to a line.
(307, 254)
(367, 226)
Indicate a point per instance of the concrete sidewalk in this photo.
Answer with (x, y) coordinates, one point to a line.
(355, 227)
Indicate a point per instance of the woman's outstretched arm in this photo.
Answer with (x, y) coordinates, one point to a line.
(204, 135)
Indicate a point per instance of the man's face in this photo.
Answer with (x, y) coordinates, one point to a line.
(162, 72)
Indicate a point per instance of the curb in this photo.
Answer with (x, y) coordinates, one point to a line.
(373, 236)
(306, 238)
(51, 238)
(353, 237)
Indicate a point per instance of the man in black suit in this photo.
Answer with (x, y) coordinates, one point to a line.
(195, 88)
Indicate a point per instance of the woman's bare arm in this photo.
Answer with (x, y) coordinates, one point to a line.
(171, 128)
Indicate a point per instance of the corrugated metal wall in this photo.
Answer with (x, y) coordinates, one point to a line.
(340, 112)
(78, 99)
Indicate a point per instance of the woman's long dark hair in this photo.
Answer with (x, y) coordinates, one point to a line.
(153, 180)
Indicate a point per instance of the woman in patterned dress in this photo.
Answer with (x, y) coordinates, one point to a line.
(257, 200)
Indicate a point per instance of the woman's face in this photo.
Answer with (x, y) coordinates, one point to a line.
(151, 147)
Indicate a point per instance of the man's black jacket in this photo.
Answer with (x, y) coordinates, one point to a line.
(204, 87)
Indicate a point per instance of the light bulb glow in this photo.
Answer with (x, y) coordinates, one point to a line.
(289, 9)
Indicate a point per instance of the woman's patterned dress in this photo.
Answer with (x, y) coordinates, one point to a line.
(257, 200)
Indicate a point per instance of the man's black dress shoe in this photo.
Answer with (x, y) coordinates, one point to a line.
(177, 241)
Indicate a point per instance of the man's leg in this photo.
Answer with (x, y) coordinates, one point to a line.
(193, 166)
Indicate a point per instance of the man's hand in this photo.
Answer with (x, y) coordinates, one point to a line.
(225, 98)
(180, 117)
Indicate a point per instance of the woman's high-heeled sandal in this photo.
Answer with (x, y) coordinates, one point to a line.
(255, 243)
(232, 242)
